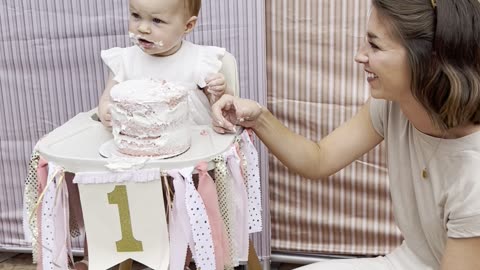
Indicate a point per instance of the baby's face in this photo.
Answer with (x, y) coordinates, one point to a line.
(158, 26)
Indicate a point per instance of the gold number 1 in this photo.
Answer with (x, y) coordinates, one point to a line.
(128, 243)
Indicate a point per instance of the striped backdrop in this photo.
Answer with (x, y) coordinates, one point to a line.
(313, 86)
(50, 70)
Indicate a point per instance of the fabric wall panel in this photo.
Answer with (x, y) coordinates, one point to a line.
(50, 70)
(314, 85)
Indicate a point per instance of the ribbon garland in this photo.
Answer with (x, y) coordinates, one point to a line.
(216, 235)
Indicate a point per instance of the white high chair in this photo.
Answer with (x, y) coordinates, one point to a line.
(75, 145)
(229, 70)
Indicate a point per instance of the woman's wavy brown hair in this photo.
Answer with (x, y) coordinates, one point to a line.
(443, 48)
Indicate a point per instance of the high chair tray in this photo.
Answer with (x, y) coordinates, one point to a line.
(75, 146)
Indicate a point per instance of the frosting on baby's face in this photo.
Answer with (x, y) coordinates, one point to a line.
(140, 41)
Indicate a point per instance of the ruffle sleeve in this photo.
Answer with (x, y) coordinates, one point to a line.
(113, 58)
(209, 62)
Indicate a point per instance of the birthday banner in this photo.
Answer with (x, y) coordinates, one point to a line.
(124, 220)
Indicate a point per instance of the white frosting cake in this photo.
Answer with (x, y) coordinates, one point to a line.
(150, 118)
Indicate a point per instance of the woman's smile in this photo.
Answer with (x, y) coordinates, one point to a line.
(371, 76)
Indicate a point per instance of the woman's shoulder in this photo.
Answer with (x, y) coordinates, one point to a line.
(385, 115)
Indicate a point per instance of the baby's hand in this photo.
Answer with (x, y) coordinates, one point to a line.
(104, 113)
(216, 86)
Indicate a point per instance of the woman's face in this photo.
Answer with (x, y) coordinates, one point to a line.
(385, 62)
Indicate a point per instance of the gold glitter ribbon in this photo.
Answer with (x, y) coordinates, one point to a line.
(224, 190)
(168, 192)
(30, 198)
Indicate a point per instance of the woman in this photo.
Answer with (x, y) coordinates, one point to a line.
(422, 63)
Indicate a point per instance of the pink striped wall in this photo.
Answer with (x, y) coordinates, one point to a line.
(313, 86)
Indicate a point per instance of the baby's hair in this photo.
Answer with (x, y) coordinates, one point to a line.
(192, 7)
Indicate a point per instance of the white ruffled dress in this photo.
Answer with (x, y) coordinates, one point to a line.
(190, 65)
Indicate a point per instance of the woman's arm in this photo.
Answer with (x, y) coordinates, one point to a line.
(315, 160)
(307, 158)
(462, 253)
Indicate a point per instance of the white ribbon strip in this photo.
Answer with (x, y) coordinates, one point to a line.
(179, 226)
(240, 204)
(48, 216)
(205, 255)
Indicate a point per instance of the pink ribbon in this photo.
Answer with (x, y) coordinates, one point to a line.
(74, 201)
(62, 242)
(241, 204)
(208, 193)
(42, 176)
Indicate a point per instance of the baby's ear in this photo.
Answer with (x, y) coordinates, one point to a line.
(190, 24)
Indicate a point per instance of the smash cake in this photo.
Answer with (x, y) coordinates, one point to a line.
(150, 118)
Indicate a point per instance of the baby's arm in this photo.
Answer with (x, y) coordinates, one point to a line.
(104, 103)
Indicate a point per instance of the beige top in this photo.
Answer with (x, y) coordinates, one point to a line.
(447, 202)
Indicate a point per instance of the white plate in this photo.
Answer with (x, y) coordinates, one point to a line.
(108, 149)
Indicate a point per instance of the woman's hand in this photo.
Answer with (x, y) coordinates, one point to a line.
(216, 87)
(229, 111)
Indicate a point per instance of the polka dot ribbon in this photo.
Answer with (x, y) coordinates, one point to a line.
(55, 236)
(252, 177)
(204, 252)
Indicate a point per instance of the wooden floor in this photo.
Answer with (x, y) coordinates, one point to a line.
(23, 261)
(10, 261)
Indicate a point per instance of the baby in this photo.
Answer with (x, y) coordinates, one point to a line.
(157, 28)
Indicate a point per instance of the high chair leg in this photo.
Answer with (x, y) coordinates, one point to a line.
(126, 265)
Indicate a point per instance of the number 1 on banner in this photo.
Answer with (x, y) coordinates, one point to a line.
(128, 243)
